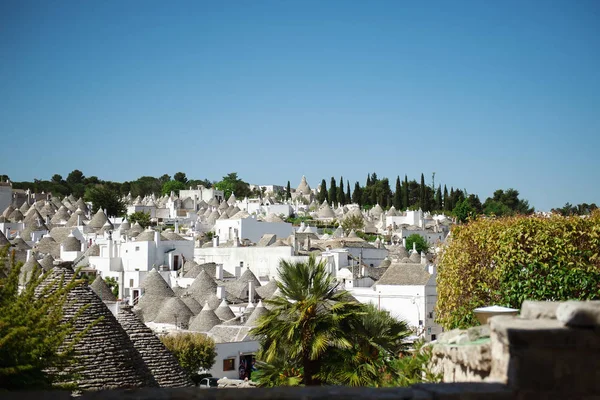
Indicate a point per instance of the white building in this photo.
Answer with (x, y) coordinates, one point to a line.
(250, 228)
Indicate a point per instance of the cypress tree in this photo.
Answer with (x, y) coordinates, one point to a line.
(405, 203)
(322, 195)
(422, 194)
(446, 199)
(357, 195)
(438, 198)
(341, 196)
(451, 202)
(397, 202)
(368, 180)
(348, 197)
(288, 191)
(332, 191)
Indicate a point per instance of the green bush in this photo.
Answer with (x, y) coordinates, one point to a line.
(192, 350)
(507, 260)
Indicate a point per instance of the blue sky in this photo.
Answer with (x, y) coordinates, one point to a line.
(485, 94)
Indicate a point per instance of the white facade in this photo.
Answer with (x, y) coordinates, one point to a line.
(202, 193)
(234, 351)
(250, 228)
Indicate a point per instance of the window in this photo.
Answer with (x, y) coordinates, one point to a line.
(433, 337)
(131, 283)
(430, 314)
(420, 322)
(137, 248)
(229, 364)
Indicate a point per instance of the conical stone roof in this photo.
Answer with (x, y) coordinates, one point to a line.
(174, 312)
(303, 187)
(162, 364)
(192, 304)
(266, 291)
(16, 216)
(105, 357)
(98, 220)
(258, 312)
(154, 284)
(71, 243)
(24, 208)
(3, 240)
(7, 211)
(30, 269)
(224, 311)
(20, 244)
(204, 321)
(202, 287)
(102, 290)
(47, 262)
(61, 217)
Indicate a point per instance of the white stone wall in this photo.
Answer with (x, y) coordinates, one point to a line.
(231, 350)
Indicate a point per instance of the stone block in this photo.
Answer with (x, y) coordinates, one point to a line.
(467, 391)
(583, 314)
(539, 309)
(478, 332)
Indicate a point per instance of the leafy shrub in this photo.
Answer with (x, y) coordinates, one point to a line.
(507, 260)
(192, 350)
(419, 241)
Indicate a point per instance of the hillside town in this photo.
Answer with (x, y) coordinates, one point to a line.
(206, 263)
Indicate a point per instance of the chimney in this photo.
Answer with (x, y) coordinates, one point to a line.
(431, 269)
(176, 226)
(414, 246)
(423, 258)
(251, 291)
(219, 272)
(216, 241)
(28, 255)
(238, 270)
(221, 292)
(404, 242)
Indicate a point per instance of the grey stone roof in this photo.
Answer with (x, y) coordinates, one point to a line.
(7, 211)
(202, 287)
(98, 220)
(192, 304)
(24, 208)
(47, 245)
(415, 257)
(80, 204)
(136, 227)
(267, 291)
(405, 274)
(204, 321)
(326, 212)
(61, 216)
(233, 211)
(230, 333)
(239, 287)
(47, 262)
(303, 187)
(148, 306)
(172, 236)
(105, 357)
(148, 236)
(258, 312)
(20, 244)
(224, 311)
(266, 240)
(162, 364)
(77, 216)
(174, 311)
(154, 284)
(3, 240)
(16, 216)
(71, 243)
(29, 270)
(102, 290)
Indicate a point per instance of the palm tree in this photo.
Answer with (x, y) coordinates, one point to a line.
(307, 319)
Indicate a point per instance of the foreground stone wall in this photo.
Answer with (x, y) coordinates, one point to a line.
(550, 350)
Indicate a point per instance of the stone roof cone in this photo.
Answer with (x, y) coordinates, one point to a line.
(102, 290)
(204, 321)
(224, 311)
(105, 358)
(174, 312)
(161, 362)
(98, 220)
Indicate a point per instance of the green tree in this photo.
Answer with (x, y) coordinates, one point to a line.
(303, 323)
(357, 194)
(397, 202)
(32, 329)
(419, 241)
(406, 191)
(438, 199)
(106, 199)
(75, 177)
(332, 191)
(193, 351)
(172, 186)
(288, 191)
(506, 203)
(352, 222)
(56, 178)
(113, 285)
(341, 196)
(348, 195)
(504, 261)
(415, 367)
(317, 334)
(322, 195)
(423, 195)
(180, 177)
(141, 217)
(464, 211)
(232, 184)
(446, 200)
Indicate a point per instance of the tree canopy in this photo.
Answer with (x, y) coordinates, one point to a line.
(316, 333)
(420, 243)
(503, 261)
(32, 329)
(193, 350)
(173, 186)
(107, 199)
(232, 184)
(506, 203)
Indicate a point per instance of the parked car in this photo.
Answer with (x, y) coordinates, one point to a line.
(208, 383)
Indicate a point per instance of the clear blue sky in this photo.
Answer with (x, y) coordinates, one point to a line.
(486, 94)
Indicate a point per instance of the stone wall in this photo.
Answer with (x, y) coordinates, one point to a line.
(550, 350)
